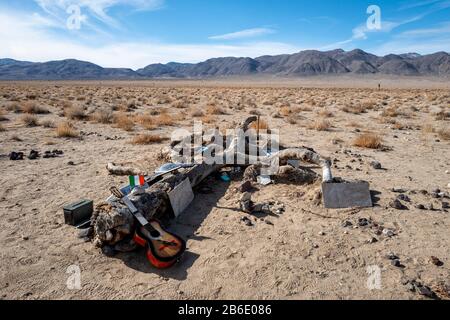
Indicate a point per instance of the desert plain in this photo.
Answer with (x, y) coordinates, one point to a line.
(308, 252)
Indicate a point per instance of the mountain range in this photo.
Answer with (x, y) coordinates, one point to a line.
(301, 64)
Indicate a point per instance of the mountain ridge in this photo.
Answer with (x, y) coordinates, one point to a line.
(301, 64)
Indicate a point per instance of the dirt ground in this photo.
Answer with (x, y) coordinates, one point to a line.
(305, 253)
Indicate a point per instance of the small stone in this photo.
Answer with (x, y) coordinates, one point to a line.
(445, 205)
(315, 246)
(321, 233)
(388, 233)
(247, 221)
(372, 240)
(396, 204)
(403, 197)
(70, 163)
(420, 207)
(363, 222)
(425, 291)
(434, 260)
(399, 190)
(270, 223)
(376, 165)
(346, 224)
(26, 238)
(392, 256)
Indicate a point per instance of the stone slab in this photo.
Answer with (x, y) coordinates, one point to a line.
(346, 195)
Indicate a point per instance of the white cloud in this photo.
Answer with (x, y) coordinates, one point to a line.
(28, 39)
(437, 31)
(96, 8)
(248, 33)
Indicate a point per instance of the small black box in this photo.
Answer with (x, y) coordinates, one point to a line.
(79, 212)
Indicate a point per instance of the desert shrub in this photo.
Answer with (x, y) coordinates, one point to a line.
(144, 139)
(48, 124)
(146, 121)
(214, 110)
(124, 122)
(2, 128)
(14, 107)
(390, 112)
(263, 125)
(164, 120)
(66, 130)
(320, 125)
(29, 120)
(208, 119)
(285, 111)
(75, 113)
(32, 107)
(103, 116)
(369, 141)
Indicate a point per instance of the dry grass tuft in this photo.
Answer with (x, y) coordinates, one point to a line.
(124, 122)
(75, 113)
(144, 139)
(263, 125)
(214, 110)
(369, 141)
(320, 125)
(48, 124)
(164, 120)
(208, 119)
(103, 116)
(146, 121)
(31, 107)
(2, 128)
(66, 130)
(29, 120)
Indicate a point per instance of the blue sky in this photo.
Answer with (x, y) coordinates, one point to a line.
(135, 33)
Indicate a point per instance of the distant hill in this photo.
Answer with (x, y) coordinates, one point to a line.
(301, 64)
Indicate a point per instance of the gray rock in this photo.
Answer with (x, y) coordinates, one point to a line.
(376, 165)
(398, 205)
(399, 190)
(403, 197)
(346, 224)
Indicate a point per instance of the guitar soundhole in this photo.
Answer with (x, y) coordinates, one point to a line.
(155, 234)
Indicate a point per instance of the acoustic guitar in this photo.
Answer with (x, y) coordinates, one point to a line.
(163, 249)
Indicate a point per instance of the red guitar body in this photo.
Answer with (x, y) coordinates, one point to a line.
(163, 249)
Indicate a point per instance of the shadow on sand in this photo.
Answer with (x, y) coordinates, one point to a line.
(185, 226)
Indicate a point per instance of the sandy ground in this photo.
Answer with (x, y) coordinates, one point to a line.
(305, 253)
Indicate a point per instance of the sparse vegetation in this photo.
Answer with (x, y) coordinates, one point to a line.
(320, 125)
(66, 130)
(29, 120)
(75, 113)
(144, 139)
(369, 141)
(124, 122)
(32, 107)
(103, 116)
